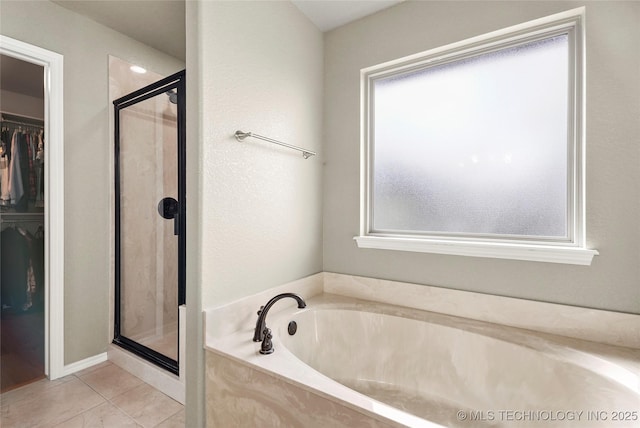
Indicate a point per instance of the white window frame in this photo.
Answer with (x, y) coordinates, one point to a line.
(570, 250)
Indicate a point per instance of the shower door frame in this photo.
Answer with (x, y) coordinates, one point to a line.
(175, 81)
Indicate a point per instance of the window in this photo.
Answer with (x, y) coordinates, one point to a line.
(477, 148)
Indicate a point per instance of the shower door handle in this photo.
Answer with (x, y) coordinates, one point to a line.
(176, 224)
(169, 208)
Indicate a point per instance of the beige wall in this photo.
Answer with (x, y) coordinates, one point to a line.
(261, 71)
(613, 152)
(88, 154)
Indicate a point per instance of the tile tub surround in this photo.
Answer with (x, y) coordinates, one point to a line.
(252, 398)
(576, 358)
(613, 328)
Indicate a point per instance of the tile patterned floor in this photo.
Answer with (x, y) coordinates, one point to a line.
(101, 396)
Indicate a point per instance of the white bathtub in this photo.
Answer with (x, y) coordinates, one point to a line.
(357, 363)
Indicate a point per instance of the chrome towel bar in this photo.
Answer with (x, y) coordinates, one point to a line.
(240, 136)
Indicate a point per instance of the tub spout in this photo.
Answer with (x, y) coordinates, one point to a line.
(258, 334)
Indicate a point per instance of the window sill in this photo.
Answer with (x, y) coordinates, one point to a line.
(536, 253)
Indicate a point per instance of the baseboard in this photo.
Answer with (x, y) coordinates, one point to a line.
(83, 364)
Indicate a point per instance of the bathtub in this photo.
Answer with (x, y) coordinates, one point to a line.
(356, 363)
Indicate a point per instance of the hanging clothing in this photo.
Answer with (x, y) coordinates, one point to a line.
(31, 170)
(37, 261)
(21, 167)
(21, 187)
(16, 187)
(14, 265)
(5, 147)
(19, 171)
(22, 203)
(40, 170)
(22, 269)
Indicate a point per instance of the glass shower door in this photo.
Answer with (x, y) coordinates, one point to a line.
(150, 214)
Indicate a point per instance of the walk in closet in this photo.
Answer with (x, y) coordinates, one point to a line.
(22, 204)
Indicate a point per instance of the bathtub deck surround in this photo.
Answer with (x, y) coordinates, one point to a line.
(613, 328)
(467, 365)
(275, 405)
(235, 316)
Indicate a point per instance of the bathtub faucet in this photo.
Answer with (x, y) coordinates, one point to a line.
(261, 325)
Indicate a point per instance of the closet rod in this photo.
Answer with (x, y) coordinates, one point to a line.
(242, 135)
(15, 123)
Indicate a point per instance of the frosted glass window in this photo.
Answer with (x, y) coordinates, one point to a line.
(475, 146)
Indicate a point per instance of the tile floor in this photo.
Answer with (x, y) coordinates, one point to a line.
(101, 396)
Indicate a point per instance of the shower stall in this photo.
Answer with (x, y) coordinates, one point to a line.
(150, 213)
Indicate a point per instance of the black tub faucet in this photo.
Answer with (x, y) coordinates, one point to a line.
(262, 333)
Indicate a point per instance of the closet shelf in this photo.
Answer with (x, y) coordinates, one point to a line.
(21, 216)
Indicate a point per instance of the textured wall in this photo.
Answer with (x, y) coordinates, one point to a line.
(88, 149)
(261, 68)
(613, 153)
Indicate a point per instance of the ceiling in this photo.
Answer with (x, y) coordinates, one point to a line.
(327, 15)
(161, 23)
(156, 23)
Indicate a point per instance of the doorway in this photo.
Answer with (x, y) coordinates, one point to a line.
(21, 222)
(42, 215)
(150, 214)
